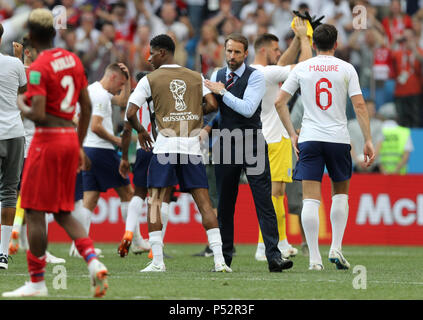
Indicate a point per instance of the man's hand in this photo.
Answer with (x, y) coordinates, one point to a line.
(300, 29)
(118, 142)
(369, 153)
(84, 161)
(145, 140)
(294, 140)
(17, 50)
(214, 87)
(124, 69)
(124, 168)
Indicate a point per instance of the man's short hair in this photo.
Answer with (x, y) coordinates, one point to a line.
(324, 36)
(238, 38)
(114, 67)
(163, 41)
(264, 40)
(1, 30)
(41, 25)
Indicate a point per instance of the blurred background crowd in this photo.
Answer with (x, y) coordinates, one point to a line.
(387, 53)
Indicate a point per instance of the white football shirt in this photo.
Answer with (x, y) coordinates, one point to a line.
(101, 101)
(12, 77)
(325, 82)
(272, 127)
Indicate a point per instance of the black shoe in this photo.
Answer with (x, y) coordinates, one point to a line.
(4, 261)
(207, 252)
(278, 264)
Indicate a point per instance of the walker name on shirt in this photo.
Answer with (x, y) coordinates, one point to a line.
(63, 63)
(184, 116)
(324, 68)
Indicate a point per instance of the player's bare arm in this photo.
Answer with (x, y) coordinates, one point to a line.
(143, 136)
(364, 122)
(37, 112)
(84, 120)
(209, 103)
(124, 166)
(121, 100)
(301, 43)
(98, 129)
(283, 111)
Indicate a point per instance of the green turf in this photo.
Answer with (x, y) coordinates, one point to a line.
(392, 273)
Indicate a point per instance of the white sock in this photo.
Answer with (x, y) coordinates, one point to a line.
(310, 221)
(6, 233)
(124, 209)
(132, 220)
(283, 244)
(86, 219)
(164, 214)
(23, 235)
(215, 244)
(156, 242)
(338, 219)
(261, 246)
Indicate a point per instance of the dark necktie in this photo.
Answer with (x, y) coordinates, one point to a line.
(230, 81)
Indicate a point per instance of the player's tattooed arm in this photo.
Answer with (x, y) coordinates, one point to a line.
(124, 166)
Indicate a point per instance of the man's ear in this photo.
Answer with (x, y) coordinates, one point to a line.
(335, 46)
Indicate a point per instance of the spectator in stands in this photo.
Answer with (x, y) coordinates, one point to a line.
(397, 145)
(73, 14)
(374, 68)
(338, 13)
(100, 55)
(250, 9)
(139, 50)
(180, 56)
(281, 14)
(407, 71)
(86, 34)
(168, 20)
(225, 20)
(357, 142)
(209, 53)
(396, 23)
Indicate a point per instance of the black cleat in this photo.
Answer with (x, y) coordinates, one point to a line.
(207, 252)
(279, 264)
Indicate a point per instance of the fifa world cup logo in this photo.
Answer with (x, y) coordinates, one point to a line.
(178, 88)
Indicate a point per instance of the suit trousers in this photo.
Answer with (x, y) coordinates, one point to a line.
(227, 181)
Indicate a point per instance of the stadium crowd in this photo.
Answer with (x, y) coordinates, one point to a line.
(387, 53)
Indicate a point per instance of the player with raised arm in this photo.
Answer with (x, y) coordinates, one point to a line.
(269, 60)
(325, 82)
(56, 83)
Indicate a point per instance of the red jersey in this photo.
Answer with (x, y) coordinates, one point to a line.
(58, 75)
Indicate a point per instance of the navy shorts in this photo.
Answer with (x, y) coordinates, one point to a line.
(104, 172)
(79, 192)
(167, 170)
(314, 155)
(140, 167)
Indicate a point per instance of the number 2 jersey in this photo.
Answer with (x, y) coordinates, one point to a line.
(325, 82)
(58, 75)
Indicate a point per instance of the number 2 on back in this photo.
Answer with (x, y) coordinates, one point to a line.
(320, 90)
(68, 84)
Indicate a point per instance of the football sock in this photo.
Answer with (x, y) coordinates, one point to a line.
(36, 266)
(85, 247)
(215, 244)
(338, 219)
(19, 216)
(156, 242)
(164, 214)
(6, 233)
(124, 209)
(310, 221)
(132, 220)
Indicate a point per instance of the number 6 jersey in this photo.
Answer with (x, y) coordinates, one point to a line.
(325, 81)
(58, 75)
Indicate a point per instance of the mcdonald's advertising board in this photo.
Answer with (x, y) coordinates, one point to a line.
(382, 210)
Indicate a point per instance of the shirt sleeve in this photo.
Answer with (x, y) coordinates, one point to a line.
(37, 81)
(253, 95)
(141, 92)
(353, 83)
(291, 84)
(21, 73)
(99, 105)
(277, 73)
(206, 90)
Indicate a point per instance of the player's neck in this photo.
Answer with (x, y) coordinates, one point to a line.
(326, 53)
(260, 60)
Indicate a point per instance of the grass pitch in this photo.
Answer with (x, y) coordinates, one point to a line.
(381, 273)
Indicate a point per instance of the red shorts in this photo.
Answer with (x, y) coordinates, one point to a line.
(48, 180)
